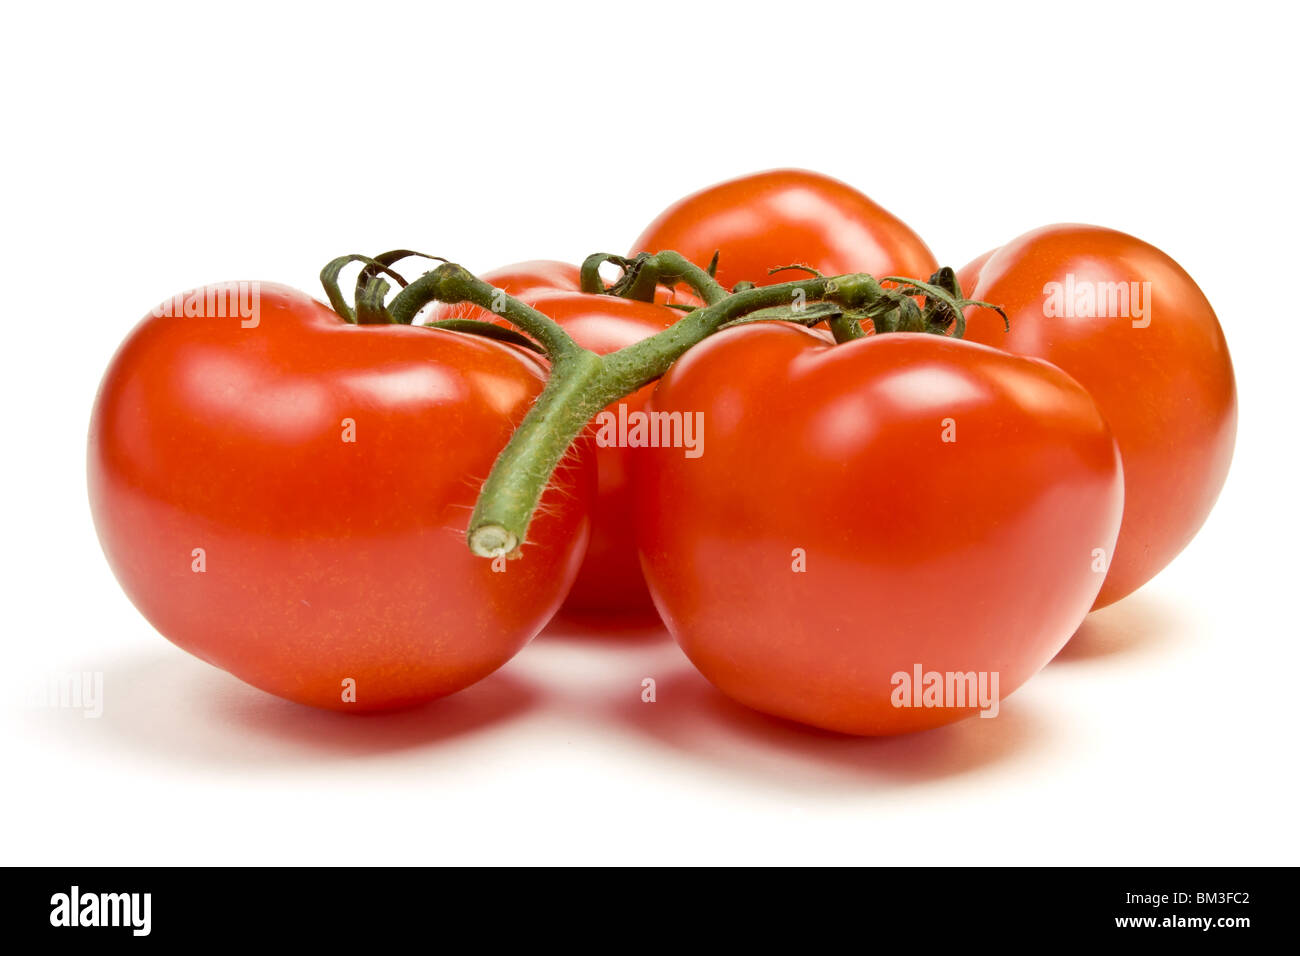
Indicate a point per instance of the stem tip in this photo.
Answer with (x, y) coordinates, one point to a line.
(492, 541)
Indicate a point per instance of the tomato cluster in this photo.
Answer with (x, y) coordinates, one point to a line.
(862, 492)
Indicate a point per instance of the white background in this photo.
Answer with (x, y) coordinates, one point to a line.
(152, 148)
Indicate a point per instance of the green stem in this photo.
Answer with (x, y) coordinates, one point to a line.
(845, 328)
(452, 283)
(582, 383)
(574, 393)
(640, 279)
(589, 278)
(370, 303)
(643, 284)
(672, 268)
(488, 330)
(644, 274)
(329, 278)
(648, 359)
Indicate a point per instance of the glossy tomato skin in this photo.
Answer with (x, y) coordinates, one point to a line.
(1164, 379)
(968, 275)
(288, 501)
(610, 579)
(969, 554)
(783, 217)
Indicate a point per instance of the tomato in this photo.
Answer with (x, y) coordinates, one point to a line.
(1126, 321)
(783, 217)
(859, 511)
(286, 497)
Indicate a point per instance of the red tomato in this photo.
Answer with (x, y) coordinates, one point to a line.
(784, 217)
(1126, 321)
(287, 500)
(610, 579)
(861, 510)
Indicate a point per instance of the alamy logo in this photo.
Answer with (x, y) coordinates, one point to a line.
(922, 688)
(642, 429)
(102, 909)
(83, 691)
(217, 301)
(1088, 300)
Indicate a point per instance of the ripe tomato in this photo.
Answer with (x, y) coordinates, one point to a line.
(783, 217)
(1126, 321)
(287, 500)
(861, 510)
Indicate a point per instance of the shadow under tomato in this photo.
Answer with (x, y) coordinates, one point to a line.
(1138, 623)
(693, 717)
(170, 706)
